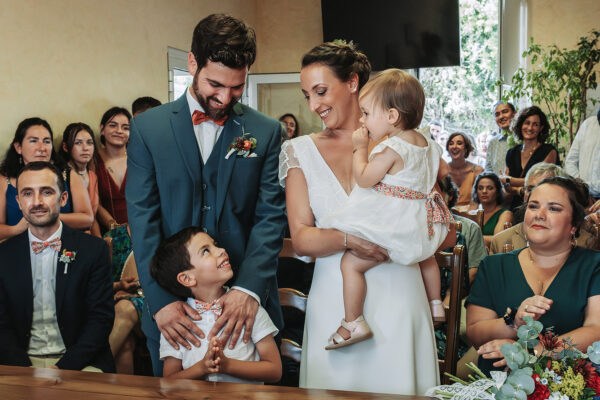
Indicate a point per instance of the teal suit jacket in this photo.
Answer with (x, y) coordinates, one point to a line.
(164, 195)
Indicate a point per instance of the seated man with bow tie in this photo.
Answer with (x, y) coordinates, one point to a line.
(56, 306)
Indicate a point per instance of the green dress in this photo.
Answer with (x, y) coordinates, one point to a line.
(500, 283)
(490, 225)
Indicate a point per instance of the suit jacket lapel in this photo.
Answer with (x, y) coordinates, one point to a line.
(233, 128)
(67, 243)
(183, 132)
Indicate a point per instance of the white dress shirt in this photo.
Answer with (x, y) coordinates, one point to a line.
(583, 160)
(207, 133)
(45, 334)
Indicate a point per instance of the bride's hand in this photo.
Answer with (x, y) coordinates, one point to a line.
(366, 250)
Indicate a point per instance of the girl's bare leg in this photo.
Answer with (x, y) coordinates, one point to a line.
(355, 287)
(431, 278)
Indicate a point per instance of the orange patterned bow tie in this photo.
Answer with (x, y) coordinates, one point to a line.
(202, 307)
(199, 117)
(38, 247)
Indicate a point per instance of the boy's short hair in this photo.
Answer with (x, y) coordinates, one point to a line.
(394, 88)
(171, 258)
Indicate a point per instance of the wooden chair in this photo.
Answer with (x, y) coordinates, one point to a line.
(474, 215)
(507, 225)
(458, 226)
(595, 231)
(507, 247)
(291, 351)
(455, 262)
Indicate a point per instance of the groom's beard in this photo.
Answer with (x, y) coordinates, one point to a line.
(214, 113)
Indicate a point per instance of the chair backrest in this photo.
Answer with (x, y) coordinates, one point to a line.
(507, 225)
(595, 231)
(292, 298)
(458, 225)
(507, 247)
(474, 215)
(455, 262)
(291, 349)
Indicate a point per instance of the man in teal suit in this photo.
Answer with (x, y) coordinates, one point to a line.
(182, 172)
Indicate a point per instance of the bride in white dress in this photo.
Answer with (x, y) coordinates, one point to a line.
(317, 173)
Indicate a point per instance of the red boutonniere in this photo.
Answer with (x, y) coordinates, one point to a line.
(242, 145)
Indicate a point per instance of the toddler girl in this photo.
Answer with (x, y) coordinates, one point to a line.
(395, 204)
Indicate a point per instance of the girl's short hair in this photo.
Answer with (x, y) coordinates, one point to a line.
(468, 145)
(397, 89)
(344, 59)
(68, 139)
(497, 184)
(529, 112)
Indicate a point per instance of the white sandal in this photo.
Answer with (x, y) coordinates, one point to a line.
(359, 331)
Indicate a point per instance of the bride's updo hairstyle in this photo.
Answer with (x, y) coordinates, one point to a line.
(394, 88)
(342, 58)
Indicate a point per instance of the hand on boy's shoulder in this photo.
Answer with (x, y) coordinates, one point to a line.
(239, 311)
(175, 323)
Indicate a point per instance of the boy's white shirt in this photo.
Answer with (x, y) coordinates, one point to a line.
(263, 326)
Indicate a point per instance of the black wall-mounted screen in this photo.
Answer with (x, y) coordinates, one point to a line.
(397, 33)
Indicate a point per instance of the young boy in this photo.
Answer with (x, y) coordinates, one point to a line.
(189, 264)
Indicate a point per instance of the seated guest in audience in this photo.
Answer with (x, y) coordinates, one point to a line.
(583, 160)
(489, 195)
(463, 172)
(476, 157)
(515, 236)
(56, 306)
(552, 280)
(142, 104)
(77, 150)
(435, 129)
(189, 264)
(532, 129)
(33, 142)
(470, 235)
(498, 145)
(292, 128)
(111, 167)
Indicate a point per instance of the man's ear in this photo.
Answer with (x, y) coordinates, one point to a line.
(192, 64)
(186, 279)
(63, 198)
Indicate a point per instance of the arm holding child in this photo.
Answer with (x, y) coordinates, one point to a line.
(369, 173)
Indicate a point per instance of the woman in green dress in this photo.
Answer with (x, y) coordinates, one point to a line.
(489, 195)
(551, 280)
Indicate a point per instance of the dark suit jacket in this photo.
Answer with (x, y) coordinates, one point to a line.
(84, 302)
(164, 195)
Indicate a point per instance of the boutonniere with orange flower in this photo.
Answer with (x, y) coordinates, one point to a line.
(67, 257)
(242, 145)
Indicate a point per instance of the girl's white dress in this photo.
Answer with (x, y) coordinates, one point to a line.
(401, 358)
(396, 224)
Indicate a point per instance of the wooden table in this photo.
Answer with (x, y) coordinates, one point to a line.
(50, 384)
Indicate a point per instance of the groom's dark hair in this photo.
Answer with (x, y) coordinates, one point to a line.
(222, 38)
(171, 258)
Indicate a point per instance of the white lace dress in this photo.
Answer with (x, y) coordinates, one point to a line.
(401, 357)
(397, 224)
